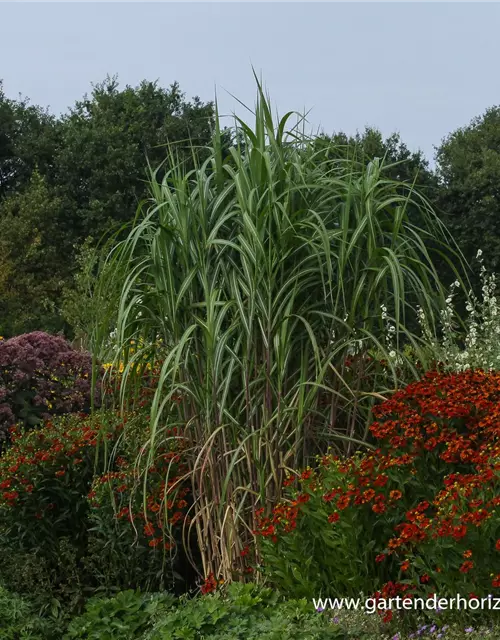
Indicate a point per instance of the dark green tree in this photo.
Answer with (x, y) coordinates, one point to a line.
(28, 140)
(469, 198)
(84, 174)
(400, 163)
(108, 138)
(32, 270)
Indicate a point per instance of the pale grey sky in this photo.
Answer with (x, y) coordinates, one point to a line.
(422, 69)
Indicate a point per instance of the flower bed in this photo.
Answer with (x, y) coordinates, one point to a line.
(415, 517)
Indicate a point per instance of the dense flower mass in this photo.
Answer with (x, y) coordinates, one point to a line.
(427, 498)
(42, 376)
(75, 478)
(45, 475)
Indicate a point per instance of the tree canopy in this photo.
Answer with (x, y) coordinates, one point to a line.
(82, 174)
(65, 179)
(469, 194)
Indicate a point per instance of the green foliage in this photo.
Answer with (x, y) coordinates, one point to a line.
(125, 616)
(28, 139)
(106, 140)
(83, 300)
(19, 620)
(33, 264)
(62, 180)
(469, 170)
(399, 162)
(244, 613)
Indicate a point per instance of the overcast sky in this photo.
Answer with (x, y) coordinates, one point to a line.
(422, 69)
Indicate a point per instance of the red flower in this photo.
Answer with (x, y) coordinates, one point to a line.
(380, 481)
(343, 502)
(155, 542)
(459, 531)
(387, 616)
(466, 566)
(209, 585)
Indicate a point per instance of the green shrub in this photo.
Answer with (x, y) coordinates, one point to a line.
(45, 477)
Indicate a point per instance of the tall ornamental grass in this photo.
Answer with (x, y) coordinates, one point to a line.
(258, 280)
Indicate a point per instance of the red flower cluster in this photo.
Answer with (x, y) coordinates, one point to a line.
(434, 480)
(210, 584)
(53, 451)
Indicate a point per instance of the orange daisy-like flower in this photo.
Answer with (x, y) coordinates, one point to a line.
(466, 566)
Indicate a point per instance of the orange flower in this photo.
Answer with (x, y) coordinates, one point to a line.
(154, 542)
(379, 507)
(466, 566)
(343, 502)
